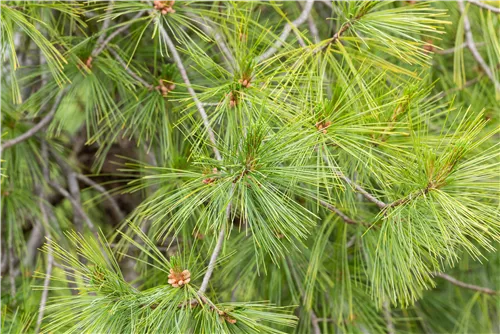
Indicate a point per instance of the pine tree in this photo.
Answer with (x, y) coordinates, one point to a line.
(250, 167)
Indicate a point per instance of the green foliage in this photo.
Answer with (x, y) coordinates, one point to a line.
(300, 167)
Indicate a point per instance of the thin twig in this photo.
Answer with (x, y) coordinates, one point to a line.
(50, 264)
(182, 70)
(129, 71)
(213, 259)
(101, 47)
(456, 48)
(313, 29)
(314, 318)
(356, 186)
(388, 318)
(465, 285)
(338, 212)
(75, 204)
(451, 50)
(105, 26)
(219, 40)
(114, 205)
(39, 126)
(485, 6)
(363, 192)
(472, 46)
(217, 249)
(286, 31)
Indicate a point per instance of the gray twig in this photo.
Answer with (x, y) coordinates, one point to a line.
(466, 285)
(182, 70)
(472, 46)
(286, 31)
(485, 6)
(39, 126)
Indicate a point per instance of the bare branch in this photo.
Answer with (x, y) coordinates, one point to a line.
(213, 259)
(182, 70)
(466, 285)
(363, 192)
(105, 26)
(101, 47)
(219, 40)
(286, 31)
(338, 212)
(485, 6)
(50, 264)
(388, 318)
(114, 205)
(39, 126)
(129, 71)
(356, 186)
(473, 49)
(217, 249)
(314, 318)
(313, 29)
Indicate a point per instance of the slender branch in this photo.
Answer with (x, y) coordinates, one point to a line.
(101, 47)
(114, 205)
(472, 46)
(50, 264)
(213, 260)
(485, 6)
(363, 192)
(129, 71)
(313, 29)
(219, 40)
(451, 50)
(388, 318)
(39, 126)
(76, 205)
(286, 31)
(217, 249)
(338, 212)
(12, 278)
(458, 47)
(314, 318)
(466, 285)
(182, 70)
(105, 26)
(356, 186)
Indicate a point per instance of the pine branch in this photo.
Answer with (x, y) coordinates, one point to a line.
(219, 40)
(115, 33)
(388, 318)
(466, 285)
(356, 186)
(313, 29)
(362, 191)
(50, 263)
(338, 212)
(182, 70)
(286, 31)
(485, 6)
(472, 46)
(39, 126)
(217, 249)
(347, 25)
(129, 71)
(314, 318)
(76, 205)
(105, 26)
(211, 135)
(114, 205)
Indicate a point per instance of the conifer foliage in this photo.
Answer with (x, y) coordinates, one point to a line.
(250, 167)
